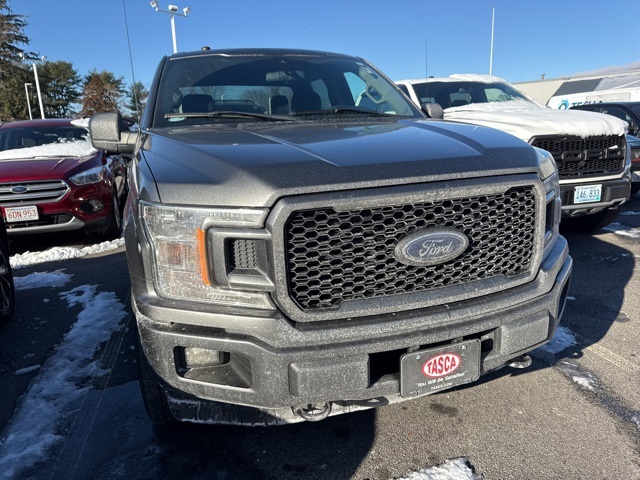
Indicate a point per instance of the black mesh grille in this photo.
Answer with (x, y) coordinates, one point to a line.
(244, 254)
(349, 255)
(589, 156)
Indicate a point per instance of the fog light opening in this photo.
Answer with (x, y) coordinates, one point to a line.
(202, 357)
(92, 206)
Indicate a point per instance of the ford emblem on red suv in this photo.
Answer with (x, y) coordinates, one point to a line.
(432, 246)
(19, 189)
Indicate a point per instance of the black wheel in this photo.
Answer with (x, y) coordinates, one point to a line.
(590, 223)
(155, 402)
(635, 188)
(7, 290)
(115, 221)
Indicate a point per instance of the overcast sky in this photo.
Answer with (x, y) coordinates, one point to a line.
(531, 37)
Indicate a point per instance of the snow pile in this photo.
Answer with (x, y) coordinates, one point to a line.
(456, 469)
(562, 340)
(77, 148)
(42, 279)
(623, 230)
(51, 397)
(62, 253)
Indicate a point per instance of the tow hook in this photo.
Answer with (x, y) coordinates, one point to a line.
(521, 362)
(314, 412)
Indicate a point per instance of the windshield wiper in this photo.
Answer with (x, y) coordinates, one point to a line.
(338, 110)
(229, 114)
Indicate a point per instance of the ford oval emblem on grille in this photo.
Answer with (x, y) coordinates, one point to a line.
(18, 189)
(431, 246)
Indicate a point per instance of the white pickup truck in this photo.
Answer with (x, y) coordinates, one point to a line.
(590, 149)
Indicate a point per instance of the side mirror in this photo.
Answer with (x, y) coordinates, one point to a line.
(433, 110)
(109, 133)
(633, 129)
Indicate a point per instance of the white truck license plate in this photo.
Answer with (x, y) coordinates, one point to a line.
(587, 194)
(21, 214)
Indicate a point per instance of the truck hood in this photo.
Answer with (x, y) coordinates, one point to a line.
(527, 119)
(255, 164)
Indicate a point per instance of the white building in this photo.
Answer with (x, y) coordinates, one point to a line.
(563, 93)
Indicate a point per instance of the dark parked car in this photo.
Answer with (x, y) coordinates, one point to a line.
(54, 180)
(7, 291)
(627, 111)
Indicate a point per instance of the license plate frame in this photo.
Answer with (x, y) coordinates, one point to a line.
(21, 214)
(414, 381)
(587, 194)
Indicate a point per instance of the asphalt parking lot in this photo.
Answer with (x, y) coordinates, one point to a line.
(574, 414)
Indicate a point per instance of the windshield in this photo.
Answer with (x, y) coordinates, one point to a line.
(33, 141)
(211, 88)
(457, 94)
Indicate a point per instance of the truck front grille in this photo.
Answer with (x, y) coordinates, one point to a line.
(335, 256)
(585, 157)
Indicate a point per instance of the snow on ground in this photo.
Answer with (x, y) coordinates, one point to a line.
(630, 213)
(561, 340)
(583, 378)
(456, 469)
(53, 395)
(42, 279)
(62, 253)
(623, 230)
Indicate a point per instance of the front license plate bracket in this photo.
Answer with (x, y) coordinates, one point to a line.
(436, 369)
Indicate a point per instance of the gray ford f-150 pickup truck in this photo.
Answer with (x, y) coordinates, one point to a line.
(303, 241)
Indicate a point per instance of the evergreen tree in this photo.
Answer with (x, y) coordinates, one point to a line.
(114, 86)
(136, 99)
(59, 82)
(13, 72)
(97, 96)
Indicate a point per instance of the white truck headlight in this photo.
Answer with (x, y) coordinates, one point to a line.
(181, 267)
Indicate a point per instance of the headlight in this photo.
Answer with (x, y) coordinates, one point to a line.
(93, 175)
(181, 264)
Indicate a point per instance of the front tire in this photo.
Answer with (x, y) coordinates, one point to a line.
(7, 289)
(115, 220)
(155, 401)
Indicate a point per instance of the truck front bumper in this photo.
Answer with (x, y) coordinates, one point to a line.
(271, 370)
(614, 194)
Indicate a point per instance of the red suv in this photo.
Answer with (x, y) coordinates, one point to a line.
(52, 179)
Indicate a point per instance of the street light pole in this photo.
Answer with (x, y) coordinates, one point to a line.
(26, 91)
(173, 11)
(173, 33)
(35, 73)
